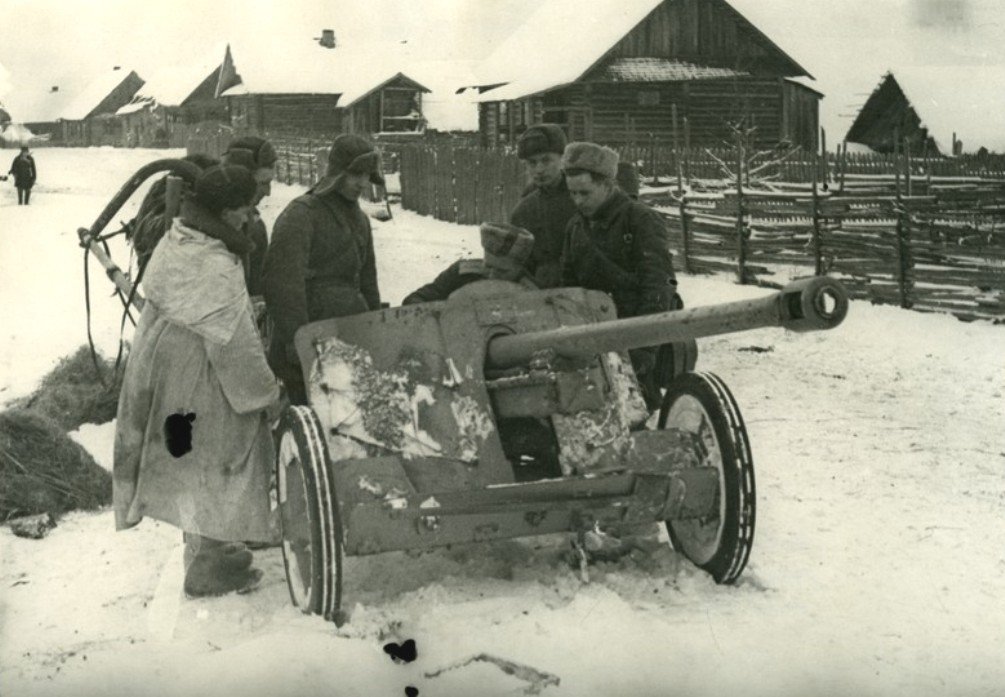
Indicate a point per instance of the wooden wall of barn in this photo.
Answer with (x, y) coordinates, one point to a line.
(363, 117)
(279, 113)
(800, 115)
(705, 32)
(630, 112)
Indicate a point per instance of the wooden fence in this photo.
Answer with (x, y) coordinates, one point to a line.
(460, 185)
(457, 167)
(940, 250)
(908, 238)
(665, 163)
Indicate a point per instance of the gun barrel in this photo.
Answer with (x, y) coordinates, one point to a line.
(806, 305)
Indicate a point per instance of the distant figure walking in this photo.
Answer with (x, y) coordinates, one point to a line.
(23, 169)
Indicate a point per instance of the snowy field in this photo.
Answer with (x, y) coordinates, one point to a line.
(878, 566)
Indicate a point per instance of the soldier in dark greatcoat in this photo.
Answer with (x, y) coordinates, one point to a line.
(617, 245)
(546, 207)
(320, 263)
(23, 169)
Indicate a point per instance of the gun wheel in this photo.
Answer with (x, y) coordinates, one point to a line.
(309, 515)
(701, 404)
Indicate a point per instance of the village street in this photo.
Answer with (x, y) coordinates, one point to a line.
(878, 562)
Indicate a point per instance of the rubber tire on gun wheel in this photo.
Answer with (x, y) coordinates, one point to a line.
(702, 404)
(309, 515)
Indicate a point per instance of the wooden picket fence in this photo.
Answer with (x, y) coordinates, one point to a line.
(460, 185)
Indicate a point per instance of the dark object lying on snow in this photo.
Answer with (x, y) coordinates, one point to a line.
(43, 471)
(73, 394)
(34, 527)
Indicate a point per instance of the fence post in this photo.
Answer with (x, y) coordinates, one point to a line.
(818, 263)
(822, 168)
(896, 159)
(843, 165)
(907, 164)
(928, 170)
(687, 152)
(310, 162)
(685, 236)
(676, 150)
(741, 240)
(903, 233)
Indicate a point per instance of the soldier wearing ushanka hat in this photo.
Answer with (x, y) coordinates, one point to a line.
(545, 208)
(617, 245)
(507, 249)
(320, 263)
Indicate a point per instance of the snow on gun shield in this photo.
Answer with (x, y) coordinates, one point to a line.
(504, 412)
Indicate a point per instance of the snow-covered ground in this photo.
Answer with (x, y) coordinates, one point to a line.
(878, 565)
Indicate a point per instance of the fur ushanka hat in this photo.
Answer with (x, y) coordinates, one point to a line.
(251, 152)
(590, 157)
(350, 153)
(224, 186)
(505, 245)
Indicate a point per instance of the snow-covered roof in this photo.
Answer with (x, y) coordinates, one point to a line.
(305, 67)
(563, 39)
(177, 80)
(968, 101)
(138, 104)
(88, 99)
(41, 107)
(443, 108)
(661, 70)
(557, 44)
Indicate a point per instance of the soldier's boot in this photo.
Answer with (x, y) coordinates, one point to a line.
(213, 567)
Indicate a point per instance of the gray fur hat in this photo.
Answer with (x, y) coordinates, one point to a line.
(505, 244)
(590, 157)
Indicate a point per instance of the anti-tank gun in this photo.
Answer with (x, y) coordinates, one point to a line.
(503, 413)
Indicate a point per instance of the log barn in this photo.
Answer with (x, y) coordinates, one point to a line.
(617, 71)
(89, 118)
(319, 90)
(186, 92)
(938, 110)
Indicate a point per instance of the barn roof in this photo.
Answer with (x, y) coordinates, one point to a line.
(305, 67)
(444, 108)
(87, 100)
(965, 100)
(578, 36)
(661, 70)
(557, 44)
(175, 82)
(41, 107)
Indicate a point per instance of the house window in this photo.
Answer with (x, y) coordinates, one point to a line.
(649, 98)
(400, 110)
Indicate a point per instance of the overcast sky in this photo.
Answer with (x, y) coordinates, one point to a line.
(845, 44)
